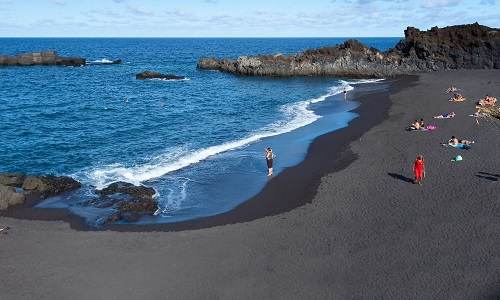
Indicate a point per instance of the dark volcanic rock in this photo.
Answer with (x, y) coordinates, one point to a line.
(48, 58)
(456, 47)
(12, 179)
(136, 192)
(46, 186)
(16, 187)
(139, 201)
(155, 75)
(9, 196)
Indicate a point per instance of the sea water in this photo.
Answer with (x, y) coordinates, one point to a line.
(198, 142)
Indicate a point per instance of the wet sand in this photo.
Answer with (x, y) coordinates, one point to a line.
(367, 233)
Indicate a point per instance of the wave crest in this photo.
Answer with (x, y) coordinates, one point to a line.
(297, 115)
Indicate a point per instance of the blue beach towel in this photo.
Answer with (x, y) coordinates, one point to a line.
(461, 146)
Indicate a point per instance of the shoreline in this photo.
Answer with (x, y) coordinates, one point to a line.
(281, 194)
(368, 233)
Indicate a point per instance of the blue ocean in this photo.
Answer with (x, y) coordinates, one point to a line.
(198, 142)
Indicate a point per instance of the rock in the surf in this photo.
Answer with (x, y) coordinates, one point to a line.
(134, 191)
(46, 186)
(156, 75)
(12, 179)
(46, 58)
(9, 197)
(130, 201)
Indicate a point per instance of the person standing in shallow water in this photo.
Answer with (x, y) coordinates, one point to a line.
(419, 169)
(269, 161)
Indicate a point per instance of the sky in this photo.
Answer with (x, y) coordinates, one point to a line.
(233, 18)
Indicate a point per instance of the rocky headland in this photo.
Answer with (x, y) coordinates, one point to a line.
(47, 58)
(471, 46)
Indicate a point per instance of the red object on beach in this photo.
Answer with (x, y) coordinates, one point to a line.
(418, 169)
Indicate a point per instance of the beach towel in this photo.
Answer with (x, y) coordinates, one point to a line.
(458, 146)
(428, 128)
(461, 146)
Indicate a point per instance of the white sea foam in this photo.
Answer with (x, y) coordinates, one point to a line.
(101, 61)
(163, 79)
(296, 115)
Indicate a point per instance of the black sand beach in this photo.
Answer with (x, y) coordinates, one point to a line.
(367, 233)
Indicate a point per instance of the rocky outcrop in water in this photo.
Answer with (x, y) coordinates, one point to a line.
(16, 187)
(47, 58)
(456, 47)
(156, 75)
(130, 201)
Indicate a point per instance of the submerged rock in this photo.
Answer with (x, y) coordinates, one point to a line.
(47, 58)
(156, 75)
(456, 47)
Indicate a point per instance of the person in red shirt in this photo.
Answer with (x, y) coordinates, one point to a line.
(419, 169)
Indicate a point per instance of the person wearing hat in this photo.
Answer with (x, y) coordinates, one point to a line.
(419, 169)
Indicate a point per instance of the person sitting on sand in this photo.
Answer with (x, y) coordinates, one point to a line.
(457, 98)
(419, 169)
(445, 116)
(421, 123)
(488, 101)
(269, 160)
(415, 125)
(451, 89)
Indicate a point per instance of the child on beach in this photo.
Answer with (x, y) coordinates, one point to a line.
(269, 160)
(419, 169)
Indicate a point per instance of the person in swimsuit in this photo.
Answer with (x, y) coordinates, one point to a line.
(445, 116)
(415, 125)
(269, 161)
(345, 94)
(419, 169)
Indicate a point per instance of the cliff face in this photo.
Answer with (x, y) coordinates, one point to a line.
(41, 58)
(457, 47)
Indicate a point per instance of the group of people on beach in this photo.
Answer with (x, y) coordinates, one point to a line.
(418, 164)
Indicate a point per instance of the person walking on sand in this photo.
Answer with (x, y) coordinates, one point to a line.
(419, 169)
(269, 160)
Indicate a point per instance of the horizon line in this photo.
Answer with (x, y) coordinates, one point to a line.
(194, 37)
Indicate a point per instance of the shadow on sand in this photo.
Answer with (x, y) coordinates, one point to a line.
(400, 177)
(488, 176)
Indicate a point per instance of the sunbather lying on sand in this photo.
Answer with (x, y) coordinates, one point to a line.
(445, 116)
(414, 126)
(451, 89)
(457, 98)
(487, 101)
(455, 141)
